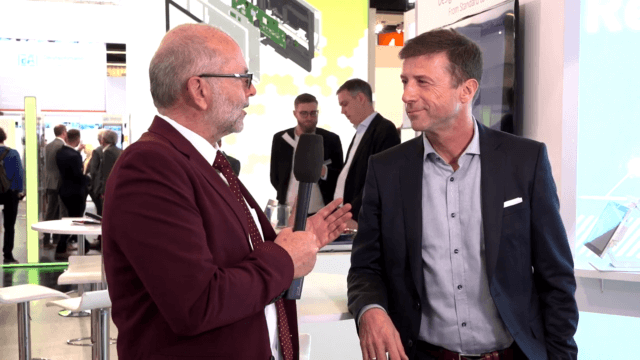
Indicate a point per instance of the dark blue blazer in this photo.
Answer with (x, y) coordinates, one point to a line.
(380, 135)
(528, 257)
(73, 182)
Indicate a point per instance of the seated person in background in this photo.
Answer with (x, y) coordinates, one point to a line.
(283, 150)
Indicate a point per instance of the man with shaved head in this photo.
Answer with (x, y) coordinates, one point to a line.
(194, 268)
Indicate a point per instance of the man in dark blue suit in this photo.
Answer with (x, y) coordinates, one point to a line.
(461, 251)
(73, 184)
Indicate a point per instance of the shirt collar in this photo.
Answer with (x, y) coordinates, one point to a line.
(472, 148)
(61, 139)
(366, 122)
(205, 148)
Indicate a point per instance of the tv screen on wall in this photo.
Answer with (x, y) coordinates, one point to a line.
(495, 31)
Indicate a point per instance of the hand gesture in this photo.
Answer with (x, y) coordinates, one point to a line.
(378, 336)
(328, 223)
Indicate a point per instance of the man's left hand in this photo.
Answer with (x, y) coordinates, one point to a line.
(328, 223)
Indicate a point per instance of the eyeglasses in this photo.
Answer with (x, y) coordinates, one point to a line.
(248, 76)
(307, 113)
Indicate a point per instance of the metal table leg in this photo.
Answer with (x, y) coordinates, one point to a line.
(24, 332)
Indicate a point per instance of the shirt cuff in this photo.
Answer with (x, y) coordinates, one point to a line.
(369, 307)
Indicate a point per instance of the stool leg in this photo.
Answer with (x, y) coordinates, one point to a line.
(94, 321)
(24, 332)
(100, 350)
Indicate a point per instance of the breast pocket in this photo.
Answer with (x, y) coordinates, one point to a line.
(512, 207)
(516, 227)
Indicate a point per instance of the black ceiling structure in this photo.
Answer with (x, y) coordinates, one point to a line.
(391, 5)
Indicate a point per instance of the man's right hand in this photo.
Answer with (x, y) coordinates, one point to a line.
(302, 246)
(379, 336)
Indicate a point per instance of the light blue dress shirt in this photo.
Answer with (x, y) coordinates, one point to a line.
(458, 313)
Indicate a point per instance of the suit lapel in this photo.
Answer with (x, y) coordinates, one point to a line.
(492, 193)
(411, 192)
(161, 128)
(349, 150)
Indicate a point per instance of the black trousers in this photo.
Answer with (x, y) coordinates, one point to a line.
(75, 205)
(10, 201)
(55, 210)
(97, 199)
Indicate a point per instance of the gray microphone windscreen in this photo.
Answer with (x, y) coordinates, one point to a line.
(307, 163)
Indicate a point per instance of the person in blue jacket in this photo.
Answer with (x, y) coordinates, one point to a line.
(11, 198)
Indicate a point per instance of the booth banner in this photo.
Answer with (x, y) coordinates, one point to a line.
(63, 75)
(434, 14)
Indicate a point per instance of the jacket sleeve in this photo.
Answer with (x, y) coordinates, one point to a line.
(365, 282)
(553, 265)
(199, 279)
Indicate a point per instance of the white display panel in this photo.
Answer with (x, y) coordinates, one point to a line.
(63, 76)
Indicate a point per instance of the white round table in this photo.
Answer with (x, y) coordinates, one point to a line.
(324, 298)
(66, 226)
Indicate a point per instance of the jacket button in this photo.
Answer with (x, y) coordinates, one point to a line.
(410, 343)
(417, 305)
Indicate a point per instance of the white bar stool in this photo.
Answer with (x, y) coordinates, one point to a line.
(22, 295)
(83, 269)
(97, 301)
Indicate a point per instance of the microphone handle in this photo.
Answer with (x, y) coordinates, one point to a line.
(302, 207)
(300, 222)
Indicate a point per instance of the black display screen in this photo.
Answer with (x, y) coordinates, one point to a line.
(495, 31)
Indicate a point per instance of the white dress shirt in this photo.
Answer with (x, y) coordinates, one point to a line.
(360, 130)
(209, 152)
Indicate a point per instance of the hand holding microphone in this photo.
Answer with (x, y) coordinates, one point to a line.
(324, 227)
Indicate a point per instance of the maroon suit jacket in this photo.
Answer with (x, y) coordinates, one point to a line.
(182, 277)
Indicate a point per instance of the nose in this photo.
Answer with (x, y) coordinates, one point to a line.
(409, 94)
(252, 90)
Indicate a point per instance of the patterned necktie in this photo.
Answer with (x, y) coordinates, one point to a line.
(221, 164)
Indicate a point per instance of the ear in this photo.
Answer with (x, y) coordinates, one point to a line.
(294, 113)
(198, 92)
(469, 89)
(362, 98)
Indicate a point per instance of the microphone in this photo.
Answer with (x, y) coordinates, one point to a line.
(307, 168)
